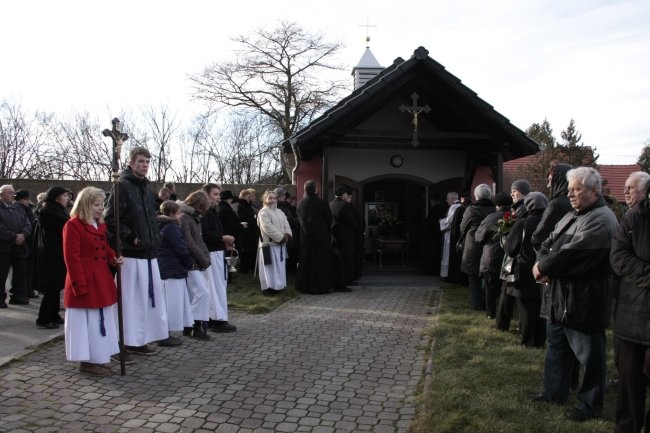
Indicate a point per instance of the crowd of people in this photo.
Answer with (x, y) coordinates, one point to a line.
(168, 256)
(571, 268)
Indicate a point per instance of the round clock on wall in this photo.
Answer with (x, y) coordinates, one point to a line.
(396, 161)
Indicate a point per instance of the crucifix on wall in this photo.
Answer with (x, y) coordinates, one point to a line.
(415, 110)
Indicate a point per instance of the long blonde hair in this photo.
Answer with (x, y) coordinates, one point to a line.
(83, 205)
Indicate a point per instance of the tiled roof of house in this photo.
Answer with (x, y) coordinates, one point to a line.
(614, 176)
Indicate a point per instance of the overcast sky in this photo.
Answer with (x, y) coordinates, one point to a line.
(530, 59)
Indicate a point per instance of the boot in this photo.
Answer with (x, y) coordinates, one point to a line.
(199, 331)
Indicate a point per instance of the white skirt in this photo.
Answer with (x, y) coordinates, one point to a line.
(145, 317)
(273, 276)
(83, 338)
(199, 293)
(179, 313)
(219, 277)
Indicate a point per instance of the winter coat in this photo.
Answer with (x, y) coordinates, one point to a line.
(273, 225)
(174, 259)
(315, 222)
(293, 221)
(250, 234)
(492, 256)
(558, 205)
(13, 221)
(137, 212)
(630, 259)
(89, 282)
(576, 259)
(212, 230)
(473, 250)
(191, 228)
(229, 220)
(50, 271)
(519, 246)
(344, 225)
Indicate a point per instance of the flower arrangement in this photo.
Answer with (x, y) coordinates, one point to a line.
(389, 227)
(504, 225)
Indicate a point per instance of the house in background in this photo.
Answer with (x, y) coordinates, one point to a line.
(407, 132)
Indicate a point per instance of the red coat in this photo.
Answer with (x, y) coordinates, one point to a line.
(89, 283)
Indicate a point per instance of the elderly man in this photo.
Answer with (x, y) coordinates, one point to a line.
(574, 262)
(630, 259)
(14, 232)
(635, 186)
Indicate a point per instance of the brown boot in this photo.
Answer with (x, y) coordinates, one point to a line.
(94, 369)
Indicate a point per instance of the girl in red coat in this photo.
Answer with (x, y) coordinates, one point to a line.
(90, 293)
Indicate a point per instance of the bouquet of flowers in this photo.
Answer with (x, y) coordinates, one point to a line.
(504, 225)
(390, 227)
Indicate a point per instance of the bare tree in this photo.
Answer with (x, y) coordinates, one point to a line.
(162, 126)
(277, 73)
(21, 142)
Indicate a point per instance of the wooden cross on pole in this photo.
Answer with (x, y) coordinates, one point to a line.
(118, 138)
(415, 110)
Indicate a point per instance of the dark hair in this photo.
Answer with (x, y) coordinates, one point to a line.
(169, 207)
(208, 187)
(198, 200)
(133, 153)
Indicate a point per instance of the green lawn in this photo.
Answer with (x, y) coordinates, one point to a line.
(245, 294)
(480, 378)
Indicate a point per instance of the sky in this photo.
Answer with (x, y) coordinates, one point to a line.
(531, 60)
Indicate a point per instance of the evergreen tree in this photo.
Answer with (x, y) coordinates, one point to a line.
(644, 158)
(542, 134)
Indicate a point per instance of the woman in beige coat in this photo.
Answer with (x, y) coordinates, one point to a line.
(275, 232)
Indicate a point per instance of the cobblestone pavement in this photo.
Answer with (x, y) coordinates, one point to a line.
(344, 362)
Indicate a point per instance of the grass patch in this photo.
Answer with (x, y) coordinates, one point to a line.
(481, 377)
(245, 294)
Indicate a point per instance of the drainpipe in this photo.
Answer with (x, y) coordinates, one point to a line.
(296, 156)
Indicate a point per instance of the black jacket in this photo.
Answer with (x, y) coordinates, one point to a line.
(137, 212)
(576, 258)
(557, 207)
(50, 269)
(212, 230)
(472, 219)
(315, 222)
(344, 225)
(630, 259)
(492, 256)
(13, 221)
(519, 246)
(249, 235)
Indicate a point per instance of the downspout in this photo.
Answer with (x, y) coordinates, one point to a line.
(296, 157)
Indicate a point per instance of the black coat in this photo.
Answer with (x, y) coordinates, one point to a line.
(558, 205)
(174, 259)
(630, 259)
(518, 245)
(249, 235)
(212, 230)
(344, 226)
(50, 269)
(472, 219)
(229, 221)
(492, 256)
(315, 223)
(137, 212)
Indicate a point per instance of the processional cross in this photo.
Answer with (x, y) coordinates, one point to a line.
(415, 110)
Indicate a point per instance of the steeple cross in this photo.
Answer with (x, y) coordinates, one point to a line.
(415, 110)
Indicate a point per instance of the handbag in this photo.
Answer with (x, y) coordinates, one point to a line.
(508, 267)
(266, 251)
(460, 245)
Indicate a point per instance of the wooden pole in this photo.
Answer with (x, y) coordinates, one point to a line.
(118, 138)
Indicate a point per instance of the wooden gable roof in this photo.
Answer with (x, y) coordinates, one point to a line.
(369, 117)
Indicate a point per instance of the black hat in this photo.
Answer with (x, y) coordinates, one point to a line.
(521, 185)
(226, 194)
(343, 189)
(21, 194)
(54, 192)
(503, 199)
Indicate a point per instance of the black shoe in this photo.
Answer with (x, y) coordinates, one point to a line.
(59, 320)
(140, 350)
(224, 326)
(575, 414)
(343, 289)
(170, 342)
(33, 295)
(539, 397)
(128, 358)
(18, 301)
(3, 304)
(50, 325)
(200, 334)
(187, 331)
(268, 292)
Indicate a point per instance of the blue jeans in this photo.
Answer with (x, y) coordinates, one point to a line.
(562, 344)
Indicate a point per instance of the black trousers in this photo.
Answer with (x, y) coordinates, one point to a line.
(18, 283)
(50, 305)
(505, 309)
(492, 287)
(631, 414)
(531, 326)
